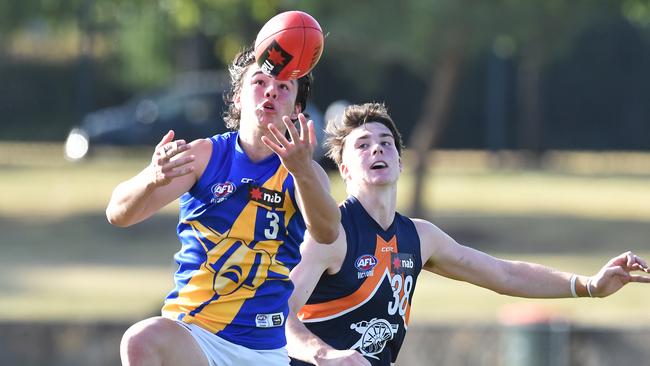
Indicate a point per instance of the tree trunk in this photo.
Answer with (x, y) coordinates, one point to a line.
(530, 113)
(437, 103)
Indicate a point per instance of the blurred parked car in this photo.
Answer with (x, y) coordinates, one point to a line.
(192, 106)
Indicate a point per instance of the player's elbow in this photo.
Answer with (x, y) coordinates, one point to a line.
(326, 235)
(116, 219)
(327, 230)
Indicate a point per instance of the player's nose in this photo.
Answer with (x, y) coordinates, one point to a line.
(271, 92)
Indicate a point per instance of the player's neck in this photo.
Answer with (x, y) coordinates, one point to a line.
(379, 201)
(250, 141)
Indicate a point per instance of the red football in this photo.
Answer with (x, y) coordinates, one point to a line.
(289, 45)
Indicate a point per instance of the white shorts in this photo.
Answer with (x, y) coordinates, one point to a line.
(220, 352)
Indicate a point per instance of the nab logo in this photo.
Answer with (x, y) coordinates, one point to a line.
(266, 197)
(365, 262)
(402, 263)
(221, 191)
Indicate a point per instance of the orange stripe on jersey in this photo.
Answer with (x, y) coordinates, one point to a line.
(332, 308)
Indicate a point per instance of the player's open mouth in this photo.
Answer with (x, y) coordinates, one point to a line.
(379, 165)
(268, 106)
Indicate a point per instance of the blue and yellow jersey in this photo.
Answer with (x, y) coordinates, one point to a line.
(366, 305)
(240, 231)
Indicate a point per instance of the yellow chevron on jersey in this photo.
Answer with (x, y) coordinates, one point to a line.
(236, 257)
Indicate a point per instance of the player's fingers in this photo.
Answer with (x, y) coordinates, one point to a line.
(619, 260)
(176, 147)
(169, 136)
(279, 136)
(313, 141)
(273, 146)
(302, 120)
(641, 262)
(629, 257)
(175, 163)
(179, 172)
(639, 278)
(293, 132)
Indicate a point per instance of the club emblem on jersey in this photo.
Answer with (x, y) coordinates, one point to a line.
(238, 267)
(365, 264)
(402, 263)
(221, 191)
(374, 336)
(266, 197)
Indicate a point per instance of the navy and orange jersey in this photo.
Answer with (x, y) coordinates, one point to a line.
(240, 231)
(366, 305)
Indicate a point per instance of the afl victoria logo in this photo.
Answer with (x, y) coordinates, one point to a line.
(365, 262)
(222, 191)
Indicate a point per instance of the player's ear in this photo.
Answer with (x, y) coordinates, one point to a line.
(237, 100)
(343, 170)
(297, 109)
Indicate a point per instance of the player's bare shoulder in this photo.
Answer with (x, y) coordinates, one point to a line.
(432, 238)
(202, 151)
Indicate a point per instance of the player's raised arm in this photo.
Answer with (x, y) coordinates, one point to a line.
(522, 279)
(172, 171)
(318, 208)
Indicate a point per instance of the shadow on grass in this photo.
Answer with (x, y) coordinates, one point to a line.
(547, 235)
(90, 239)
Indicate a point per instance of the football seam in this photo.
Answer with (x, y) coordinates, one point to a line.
(282, 30)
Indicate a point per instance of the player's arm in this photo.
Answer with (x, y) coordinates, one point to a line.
(318, 208)
(175, 167)
(302, 344)
(523, 279)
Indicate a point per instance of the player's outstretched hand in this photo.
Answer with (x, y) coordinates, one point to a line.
(165, 164)
(345, 357)
(296, 155)
(617, 273)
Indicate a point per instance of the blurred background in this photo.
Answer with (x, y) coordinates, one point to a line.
(527, 127)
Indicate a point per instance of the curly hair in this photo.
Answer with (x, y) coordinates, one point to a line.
(356, 115)
(238, 67)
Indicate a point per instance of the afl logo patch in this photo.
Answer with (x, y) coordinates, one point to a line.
(221, 191)
(365, 263)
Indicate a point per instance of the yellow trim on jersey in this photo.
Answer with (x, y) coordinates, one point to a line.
(229, 281)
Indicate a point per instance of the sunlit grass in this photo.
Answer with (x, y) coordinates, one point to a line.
(38, 185)
(37, 181)
(82, 292)
(114, 292)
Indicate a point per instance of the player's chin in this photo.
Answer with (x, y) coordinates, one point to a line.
(384, 178)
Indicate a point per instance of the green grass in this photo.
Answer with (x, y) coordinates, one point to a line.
(61, 260)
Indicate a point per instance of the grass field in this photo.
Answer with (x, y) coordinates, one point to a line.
(61, 260)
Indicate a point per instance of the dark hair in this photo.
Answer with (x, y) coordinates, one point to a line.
(356, 115)
(240, 64)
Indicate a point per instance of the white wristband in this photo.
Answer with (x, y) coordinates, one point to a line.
(589, 287)
(573, 285)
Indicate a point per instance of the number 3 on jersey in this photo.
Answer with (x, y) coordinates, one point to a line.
(272, 232)
(400, 298)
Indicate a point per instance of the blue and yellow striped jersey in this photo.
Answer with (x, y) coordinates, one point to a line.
(240, 231)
